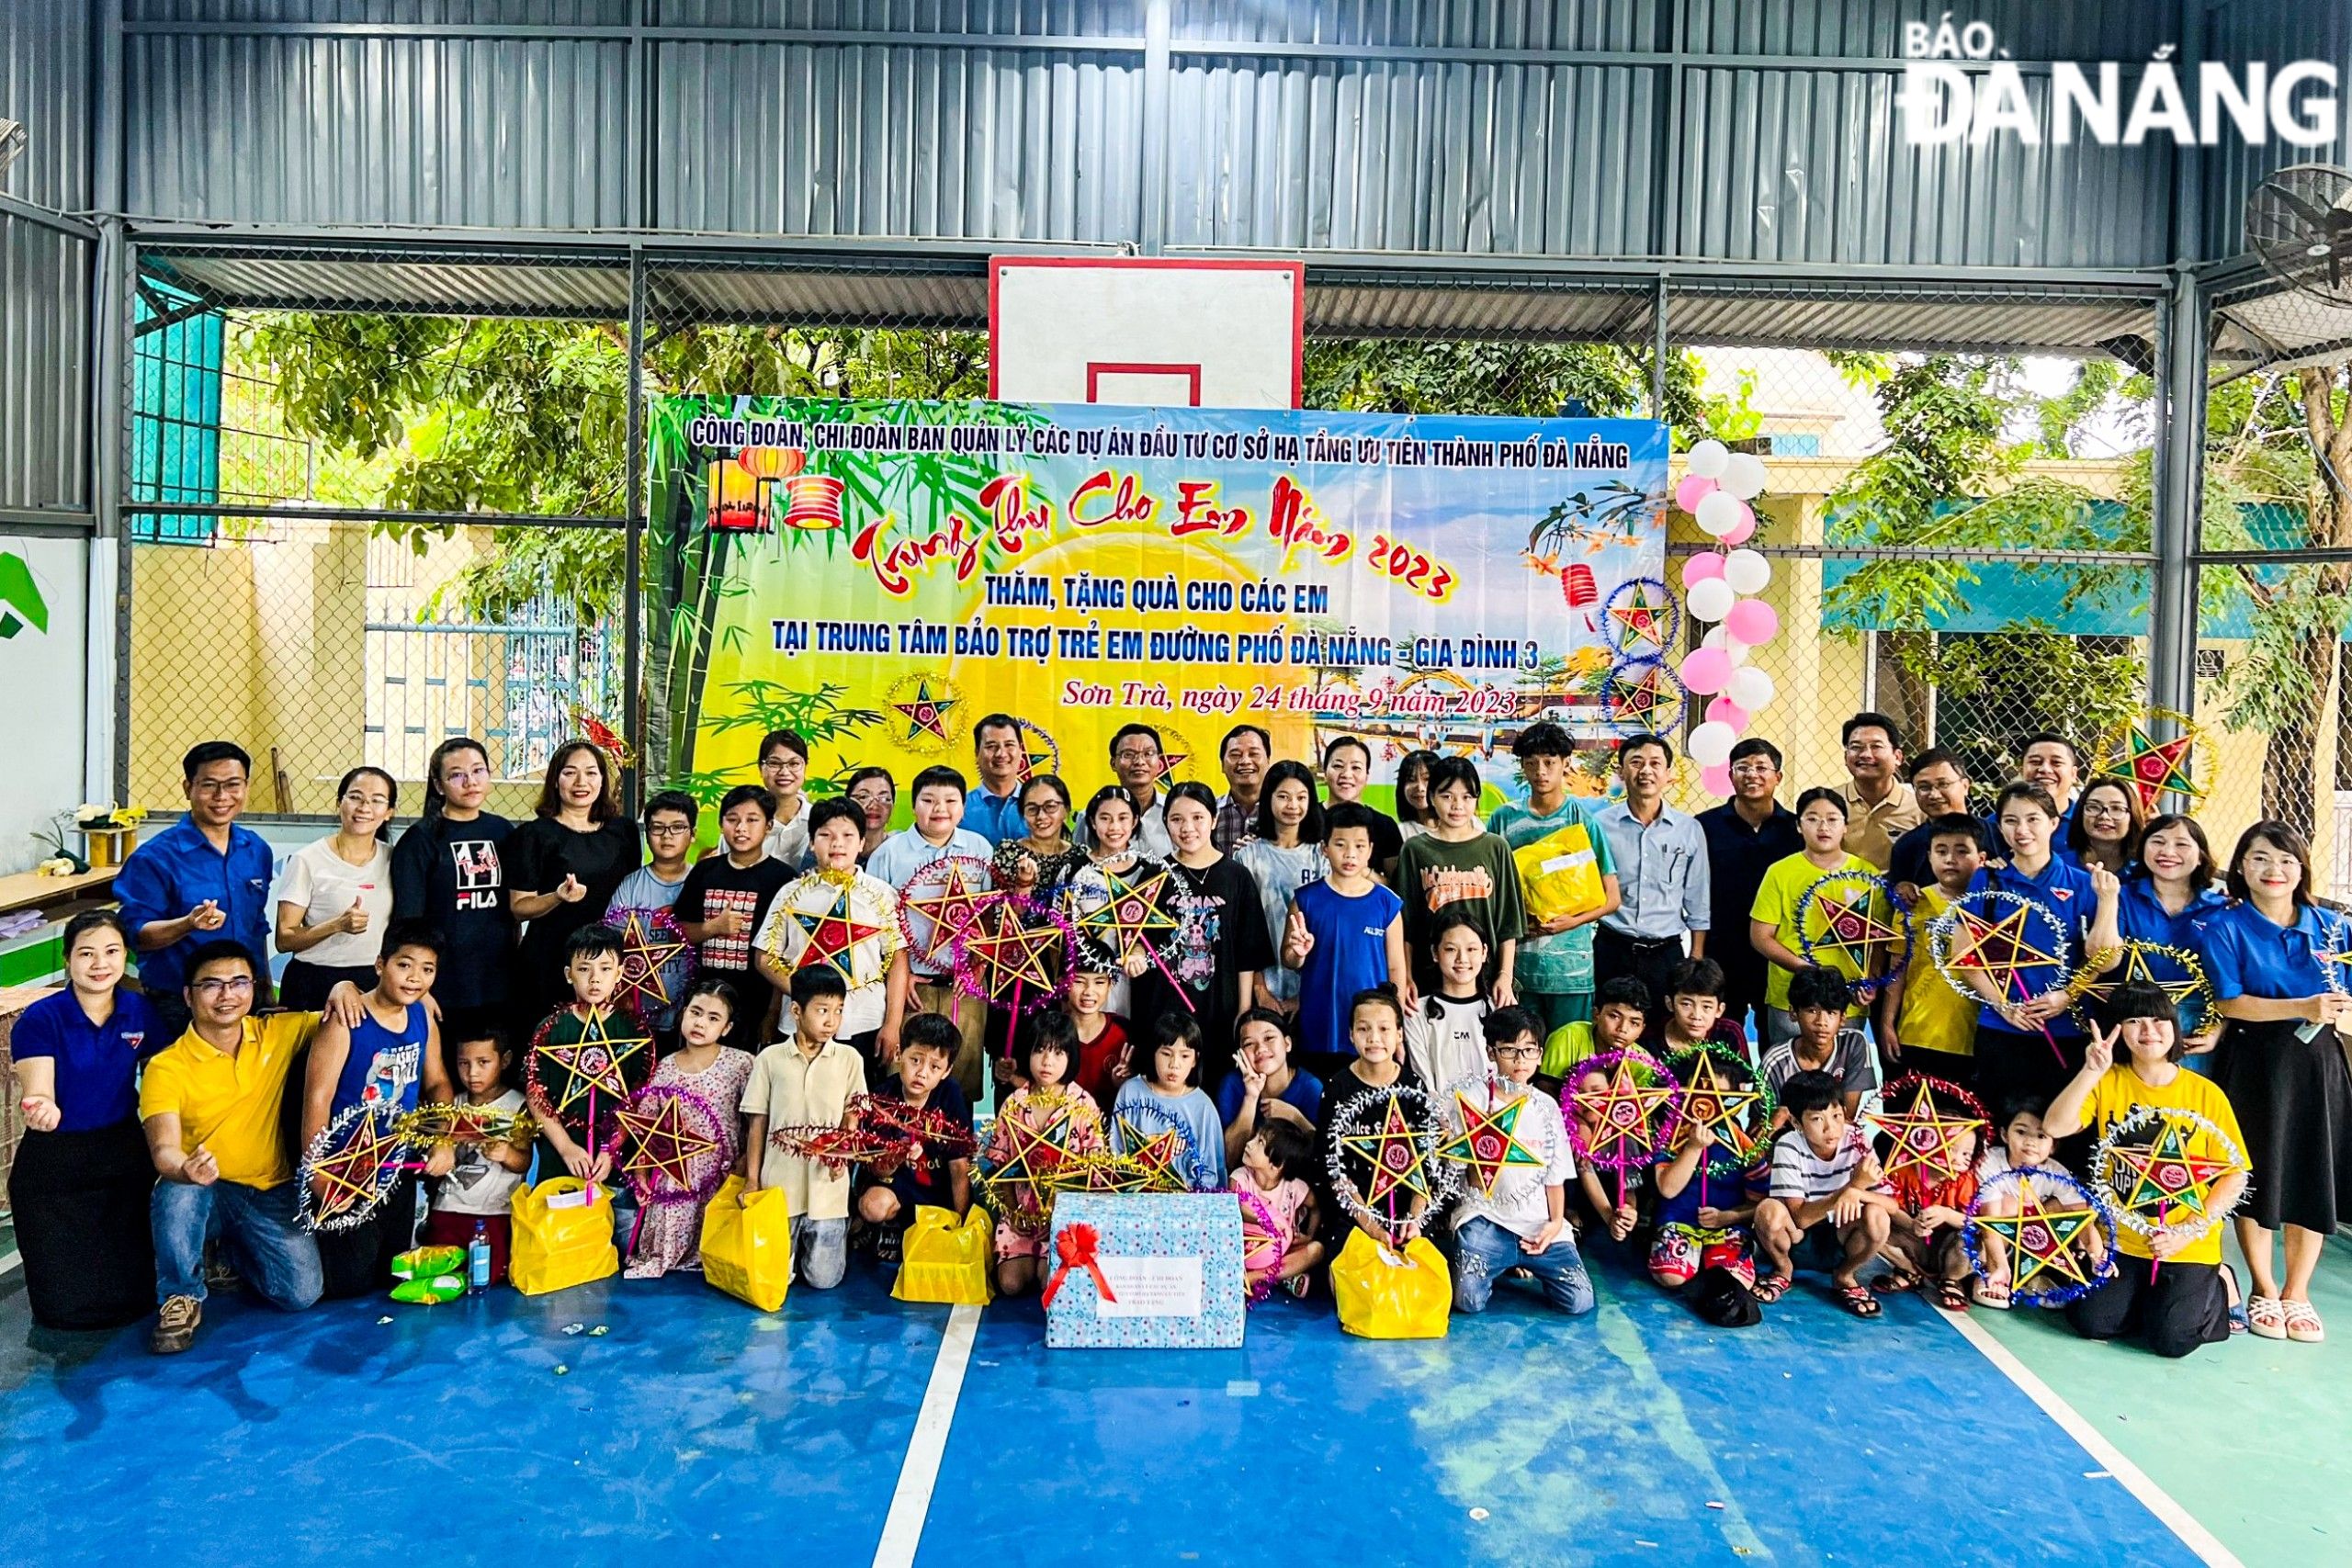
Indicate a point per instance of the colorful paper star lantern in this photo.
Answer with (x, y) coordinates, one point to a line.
(1488, 1142)
(2042, 1241)
(1998, 934)
(2186, 989)
(668, 1140)
(599, 1063)
(2131, 755)
(1724, 1095)
(941, 900)
(1852, 922)
(349, 1168)
(1642, 695)
(1396, 1152)
(1134, 914)
(1631, 1116)
(1926, 1138)
(651, 944)
(1039, 755)
(1157, 1143)
(2162, 1178)
(1011, 954)
(831, 935)
(925, 712)
(1640, 616)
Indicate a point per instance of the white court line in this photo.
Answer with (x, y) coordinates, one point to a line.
(2155, 1498)
(903, 1531)
(10, 1261)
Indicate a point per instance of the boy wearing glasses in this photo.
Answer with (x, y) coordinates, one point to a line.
(210, 1104)
(1513, 1212)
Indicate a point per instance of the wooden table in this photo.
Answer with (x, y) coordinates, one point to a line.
(29, 890)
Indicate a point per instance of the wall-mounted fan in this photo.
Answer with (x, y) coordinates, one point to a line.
(2300, 222)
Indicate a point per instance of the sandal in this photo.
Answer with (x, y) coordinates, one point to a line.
(1771, 1288)
(1950, 1295)
(1989, 1294)
(1896, 1282)
(2265, 1317)
(1857, 1300)
(2303, 1325)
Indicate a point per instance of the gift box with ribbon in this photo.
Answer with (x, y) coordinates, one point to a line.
(1145, 1271)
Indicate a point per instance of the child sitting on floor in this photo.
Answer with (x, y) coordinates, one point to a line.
(480, 1188)
(1924, 1244)
(1609, 1207)
(1274, 1165)
(2025, 1144)
(1522, 1224)
(1621, 1011)
(1046, 1096)
(1700, 1223)
(927, 1051)
(1167, 1087)
(1444, 1036)
(1825, 1191)
(806, 1081)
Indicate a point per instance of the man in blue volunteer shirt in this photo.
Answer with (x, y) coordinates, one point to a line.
(202, 879)
(993, 808)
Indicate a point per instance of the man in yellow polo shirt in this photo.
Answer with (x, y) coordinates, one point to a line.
(210, 1102)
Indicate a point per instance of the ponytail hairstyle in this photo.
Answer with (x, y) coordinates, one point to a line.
(434, 799)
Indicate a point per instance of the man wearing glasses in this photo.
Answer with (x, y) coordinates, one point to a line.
(211, 1103)
(1137, 761)
(201, 879)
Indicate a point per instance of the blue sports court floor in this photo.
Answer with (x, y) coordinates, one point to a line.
(678, 1426)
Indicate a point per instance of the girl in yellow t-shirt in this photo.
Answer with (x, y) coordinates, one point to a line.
(1772, 922)
(2186, 1302)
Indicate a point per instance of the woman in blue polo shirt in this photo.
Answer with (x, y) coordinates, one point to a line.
(81, 1178)
(2276, 960)
(2168, 900)
(2028, 1042)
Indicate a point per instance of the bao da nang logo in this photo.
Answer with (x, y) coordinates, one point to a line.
(2106, 103)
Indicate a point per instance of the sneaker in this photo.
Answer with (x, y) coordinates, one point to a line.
(889, 1247)
(174, 1328)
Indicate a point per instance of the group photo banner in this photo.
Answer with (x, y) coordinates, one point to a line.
(880, 575)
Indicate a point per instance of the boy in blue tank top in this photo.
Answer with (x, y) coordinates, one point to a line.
(383, 1064)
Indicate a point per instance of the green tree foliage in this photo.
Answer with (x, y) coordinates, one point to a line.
(1949, 481)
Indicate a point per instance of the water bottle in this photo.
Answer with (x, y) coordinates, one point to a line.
(478, 1259)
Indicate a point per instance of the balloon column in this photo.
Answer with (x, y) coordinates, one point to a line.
(1720, 588)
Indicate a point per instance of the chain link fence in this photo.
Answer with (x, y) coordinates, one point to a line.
(336, 559)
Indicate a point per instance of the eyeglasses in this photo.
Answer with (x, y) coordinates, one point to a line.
(1135, 754)
(229, 987)
(666, 829)
(1034, 807)
(1519, 1052)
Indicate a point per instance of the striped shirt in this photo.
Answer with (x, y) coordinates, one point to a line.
(1800, 1176)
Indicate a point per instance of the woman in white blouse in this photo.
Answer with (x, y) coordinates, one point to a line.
(334, 898)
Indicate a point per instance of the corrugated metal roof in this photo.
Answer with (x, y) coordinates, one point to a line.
(44, 86)
(44, 366)
(509, 134)
(884, 139)
(2276, 31)
(1807, 165)
(448, 285)
(1892, 320)
(2025, 29)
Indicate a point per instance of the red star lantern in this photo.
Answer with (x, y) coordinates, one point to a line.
(1926, 1138)
(1488, 1142)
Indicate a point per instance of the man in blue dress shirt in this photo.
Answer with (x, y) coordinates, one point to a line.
(993, 808)
(202, 878)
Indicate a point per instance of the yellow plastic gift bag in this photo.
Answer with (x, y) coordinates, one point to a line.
(945, 1260)
(1382, 1296)
(1557, 873)
(747, 1243)
(563, 1237)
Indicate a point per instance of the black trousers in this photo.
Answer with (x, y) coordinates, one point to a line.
(357, 1262)
(1646, 960)
(2187, 1306)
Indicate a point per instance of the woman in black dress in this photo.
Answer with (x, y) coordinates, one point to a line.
(563, 866)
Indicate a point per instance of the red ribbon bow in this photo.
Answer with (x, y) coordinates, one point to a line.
(1074, 1247)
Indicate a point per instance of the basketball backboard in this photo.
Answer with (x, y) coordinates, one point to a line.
(1163, 332)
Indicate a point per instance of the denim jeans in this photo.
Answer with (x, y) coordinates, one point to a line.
(266, 1242)
(1483, 1252)
(820, 1252)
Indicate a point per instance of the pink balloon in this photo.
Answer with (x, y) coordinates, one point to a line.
(1723, 710)
(1701, 569)
(1715, 780)
(1707, 670)
(1691, 490)
(1742, 531)
(1753, 622)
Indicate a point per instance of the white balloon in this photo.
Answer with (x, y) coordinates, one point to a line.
(1748, 571)
(1750, 688)
(1710, 744)
(1734, 646)
(1706, 460)
(1742, 476)
(1718, 514)
(1711, 600)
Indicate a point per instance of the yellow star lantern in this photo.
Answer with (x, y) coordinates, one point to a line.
(2042, 1241)
(1488, 1142)
(1926, 1139)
